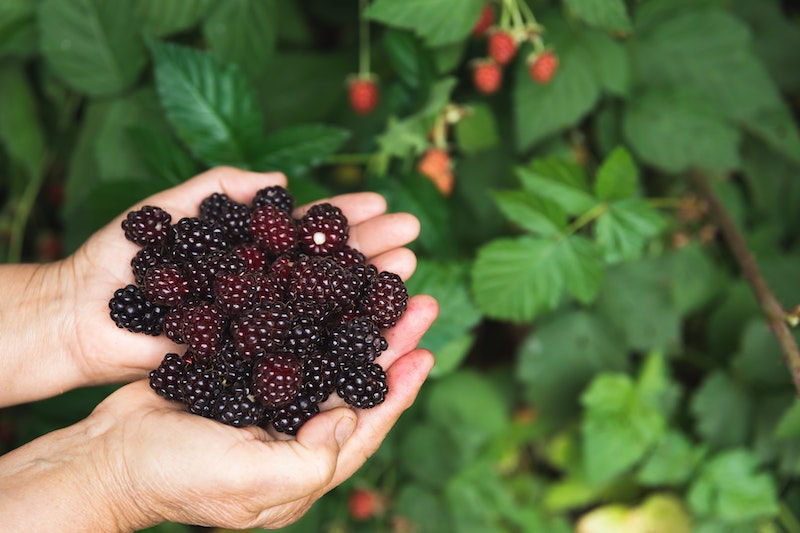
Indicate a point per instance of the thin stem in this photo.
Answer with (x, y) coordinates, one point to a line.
(519, 23)
(527, 13)
(20, 219)
(585, 219)
(363, 40)
(505, 13)
(772, 309)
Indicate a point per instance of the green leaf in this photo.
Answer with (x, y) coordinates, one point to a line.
(211, 107)
(697, 278)
(438, 22)
(561, 356)
(618, 177)
(448, 282)
(429, 454)
(572, 199)
(625, 228)
(672, 462)
(162, 154)
(676, 129)
(94, 45)
(730, 489)
(606, 14)
(619, 427)
(412, 63)
(16, 16)
(581, 267)
(20, 130)
(531, 212)
(477, 131)
(424, 508)
(759, 361)
(293, 150)
(243, 32)
(165, 17)
(611, 62)
(723, 411)
(789, 425)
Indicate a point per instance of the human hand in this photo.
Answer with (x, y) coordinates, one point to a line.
(139, 460)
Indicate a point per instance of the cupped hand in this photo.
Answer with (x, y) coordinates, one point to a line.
(175, 466)
(108, 354)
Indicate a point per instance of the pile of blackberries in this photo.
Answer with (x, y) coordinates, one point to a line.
(276, 312)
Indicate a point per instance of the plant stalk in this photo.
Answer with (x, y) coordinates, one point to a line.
(363, 40)
(772, 309)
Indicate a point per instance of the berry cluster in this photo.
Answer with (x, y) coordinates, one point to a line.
(276, 312)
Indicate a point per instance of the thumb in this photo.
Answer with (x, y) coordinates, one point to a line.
(328, 430)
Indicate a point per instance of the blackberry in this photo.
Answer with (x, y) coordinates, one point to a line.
(130, 309)
(211, 206)
(236, 406)
(273, 228)
(203, 270)
(203, 328)
(253, 257)
(304, 336)
(146, 258)
(323, 229)
(292, 416)
(385, 299)
(364, 274)
(166, 285)
(236, 292)
(348, 257)
(200, 390)
(320, 280)
(260, 330)
(234, 219)
(167, 379)
(194, 237)
(275, 195)
(230, 367)
(359, 340)
(320, 375)
(362, 385)
(147, 226)
(173, 324)
(277, 378)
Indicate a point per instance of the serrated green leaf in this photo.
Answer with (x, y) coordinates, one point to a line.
(477, 131)
(623, 230)
(672, 462)
(243, 32)
(531, 212)
(573, 200)
(294, 150)
(93, 45)
(162, 154)
(581, 267)
(561, 356)
(697, 278)
(789, 425)
(412, 64)
(438, 22)
(165, 17)
(677, 129)
(722, 410)
(778, 129)
(612, 63)
(212, 107)
(429, 454)
(759, 361)
(618, 176)
(605, 14)
(20, 130)
(731, 489)
(516, 279)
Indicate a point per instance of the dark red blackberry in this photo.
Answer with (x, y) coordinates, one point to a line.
(211, 206)
(200, 390)
(273, 228)
(203, 270)
(320, 375)
(359, 340)
(237, 406)
(167, 379)
(230, 366)
(277, 378)
(384, 300)
(148, 257)
(304, 336)
(348, 257)
(292, 416)
(194, 237)
(130, 309)
(147, 226)
(166, 285)
(234, 219)
(236, 292)
(275, 195)
(321, 281)
(270, 288)
(203, 329)
(173, 324)
(253, 257)
(362, 385)
(323, 229)
(262, 329)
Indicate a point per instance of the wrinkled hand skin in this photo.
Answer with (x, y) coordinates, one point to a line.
(139, 460)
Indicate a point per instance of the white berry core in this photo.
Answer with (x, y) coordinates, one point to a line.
(319, 238)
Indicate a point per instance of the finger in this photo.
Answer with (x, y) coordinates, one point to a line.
(405, 379)
(380, 234)
(357, 207)
(405, 336)
(401, 261)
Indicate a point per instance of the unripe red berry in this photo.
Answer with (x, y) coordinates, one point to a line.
(363, 95)
(487, 76)
(502, 47)
(542, 67)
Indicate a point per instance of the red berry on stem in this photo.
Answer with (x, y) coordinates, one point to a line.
(435, 164)
(484, 22)
(502, 47)
(542, 67)
(363, 94)
(487, 76)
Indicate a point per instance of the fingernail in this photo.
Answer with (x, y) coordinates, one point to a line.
(344, 428)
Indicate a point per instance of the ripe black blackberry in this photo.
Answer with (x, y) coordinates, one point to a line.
(348, 257)
(211, 206)
(323, 229)
(277, 379)
(173, 323)
(273, 228)
(385, 299)
(234, 219)
(166, 284)
(362, 385)
(203, 270)
(275, 195)
(147, 226)
(194, 237)
(304, 336)
(260, 330)
(292, 416)
(200, 390)
(359, 340)
(236, 292)
(237, 406)
(168, 378)
(130, 309)
(320, 376)
(147, 257)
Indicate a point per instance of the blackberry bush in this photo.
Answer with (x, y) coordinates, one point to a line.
(276, 313)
